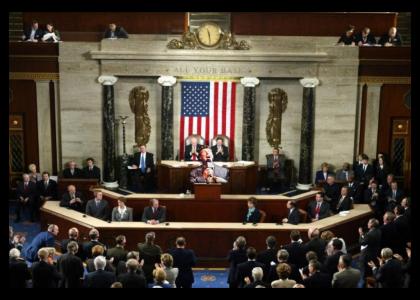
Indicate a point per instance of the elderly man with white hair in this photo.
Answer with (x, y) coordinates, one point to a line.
(390, 273)
(43, 239)
(100, 278)
(18, 270)
(44, 273)
(257, 275)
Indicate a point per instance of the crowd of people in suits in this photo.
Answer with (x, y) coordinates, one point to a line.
(365, 38)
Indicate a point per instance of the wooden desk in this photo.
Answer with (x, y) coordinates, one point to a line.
(174, 176)
(210, 241)
(230, 208)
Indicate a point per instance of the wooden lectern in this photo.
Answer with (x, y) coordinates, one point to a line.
(207, 191)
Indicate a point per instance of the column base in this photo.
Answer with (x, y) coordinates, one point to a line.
(110, 185)
(303, 187)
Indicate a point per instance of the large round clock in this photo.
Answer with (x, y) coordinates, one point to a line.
(209, 35)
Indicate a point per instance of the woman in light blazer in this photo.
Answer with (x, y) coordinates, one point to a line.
(122, 213)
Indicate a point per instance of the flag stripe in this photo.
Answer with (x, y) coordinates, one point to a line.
(216, 110)
(232, 122)
(181, 138)
(219, 110)
(223, 108)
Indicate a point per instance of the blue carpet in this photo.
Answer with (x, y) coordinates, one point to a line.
(26, 228)
(210, 278)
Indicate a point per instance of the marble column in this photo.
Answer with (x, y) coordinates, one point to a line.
(373, 101)
(307, 133)
(167, 117)
(248, 126)
(108, 144)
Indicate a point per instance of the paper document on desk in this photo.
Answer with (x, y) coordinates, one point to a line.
(363, 247)
(130, 168)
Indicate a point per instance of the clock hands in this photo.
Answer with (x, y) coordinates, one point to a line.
(208, 32)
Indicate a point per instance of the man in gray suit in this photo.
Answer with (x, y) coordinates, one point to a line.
(98, 207)
(275, 170)
(344, 173)
(346, 277)
(208, 171)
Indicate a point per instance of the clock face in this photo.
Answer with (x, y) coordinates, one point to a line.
(209, 34)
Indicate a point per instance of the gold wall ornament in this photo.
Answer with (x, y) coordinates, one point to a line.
(138, 99)
(277, 99)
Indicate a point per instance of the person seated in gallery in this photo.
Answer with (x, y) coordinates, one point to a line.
(92, 171)
(98, 207)
(47, 188)
(322, 175)
(72, 199)
(220, 151)
(34, 175)
(192, 150)
(253, 214)
(142, 172)
(26, 195)
(391, 39)
(332, 191)
(115, 32)
(344, 202)
(276, 170)
(347, 38)
(51, 34)
(358, 161)
(154, 213)
(365, 38)
(33, 33)
(293, 216)
(208, 172)
(318, 209)
(72, 172)
(122, 213)
(344, 173)
(393, 196)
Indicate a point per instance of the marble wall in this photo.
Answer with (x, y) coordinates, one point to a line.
(278, 65)
(44, 125)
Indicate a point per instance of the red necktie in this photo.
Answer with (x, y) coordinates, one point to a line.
(317, 209)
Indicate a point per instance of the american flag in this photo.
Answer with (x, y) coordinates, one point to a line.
(208, 109)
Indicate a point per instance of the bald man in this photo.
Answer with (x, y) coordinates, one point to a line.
(72, 199)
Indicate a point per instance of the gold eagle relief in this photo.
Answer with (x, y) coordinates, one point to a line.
(138, 98)
(277, 99)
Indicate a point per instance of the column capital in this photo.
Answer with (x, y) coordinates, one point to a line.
(166, 80)
(309, 82)
(107, 79)
(250, 81)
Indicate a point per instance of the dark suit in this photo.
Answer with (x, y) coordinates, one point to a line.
(390, 274)
(403, 229)
(354, 192)
(381, 174)
(44, 275)
(395, 41)
(391, 199)
(184, 260)
(43, 239)
(31, 192)
(296, 254)
(390, 237)
(318, 280)
(99, 279)
(344, 204)
(151, 255)
(332, 193)
(18, 273)
(363, 176)
(132, 280)
(160, 214)
(94, 173)
(320, 177)
(245, 270)
(266, 257)
(188, 149)
(294, 274)
(323, 213)
(119, 33)
(100, 211)
(293, 216)
(71, 268)
(38, 34)
(90, 266)
(377, 202)
(78, 173)
(220, 156)
(141, 180)
(369, 39)
(254, 284)
(276, 172)
(372, 240)
(118, 253)
(254, 217)
(331, 262)
(347, 40)
(235, 257)
(318, 246)
(65, 201)
(49, 191)
(87, 248)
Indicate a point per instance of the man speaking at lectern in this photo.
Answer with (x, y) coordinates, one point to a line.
(208, 172)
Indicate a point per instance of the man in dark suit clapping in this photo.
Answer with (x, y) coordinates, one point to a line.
(220, 151)
(100, 278)
(245, 269)
(192, 150)
(184, 260)
(97, 207)
(154, 214)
